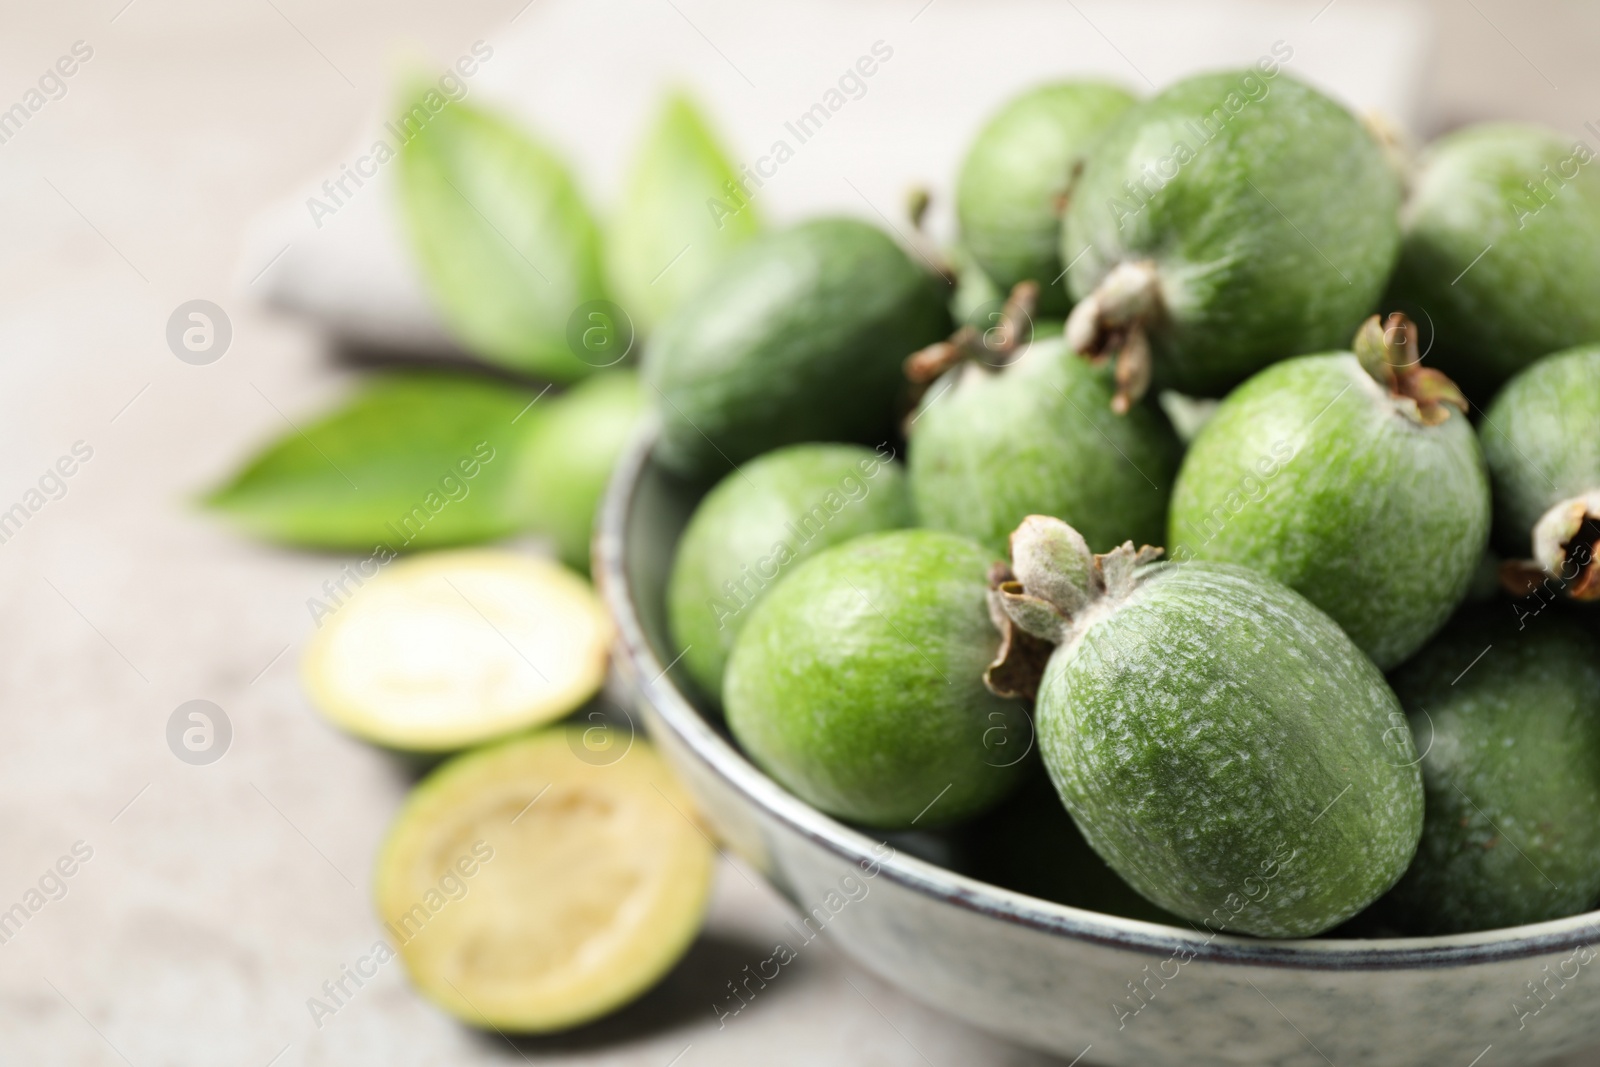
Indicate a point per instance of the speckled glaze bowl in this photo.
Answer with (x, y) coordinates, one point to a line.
(1091, 988)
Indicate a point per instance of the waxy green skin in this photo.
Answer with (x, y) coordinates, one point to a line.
(1533, 291)
(1227, 750)
(1511, 767)
(1312, 474)
(797, 336)
(1274, 240)
(1541, 437)
(757, 524)
(857, 683)
(1017, 172)
(992, 446)
(569, 455)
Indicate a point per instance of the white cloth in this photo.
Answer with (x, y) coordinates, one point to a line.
(588, 75)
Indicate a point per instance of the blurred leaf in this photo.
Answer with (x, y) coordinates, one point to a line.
(411, 461)
(666, 238)
(504, 241)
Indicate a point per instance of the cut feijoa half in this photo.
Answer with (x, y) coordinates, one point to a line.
(531, 887)
(452, 649)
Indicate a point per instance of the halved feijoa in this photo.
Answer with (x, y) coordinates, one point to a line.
(530, 887)
(455, 648)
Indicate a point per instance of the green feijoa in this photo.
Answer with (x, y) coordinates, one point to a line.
(1508, 718)
(758, 522)
(1363, 490)
(1219, 741)
(669, 235)
(1540, 440)
(1014, 182)
(797, 336)
(976, 296)
(1029, 844)
(567, 460)
(1502, 249)
(1232, 220)
(993, 445)
(857, 682)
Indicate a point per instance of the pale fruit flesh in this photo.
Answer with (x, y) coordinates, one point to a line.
(590, 881)
(455, 648)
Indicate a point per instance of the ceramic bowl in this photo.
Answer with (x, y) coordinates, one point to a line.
(1077, 983)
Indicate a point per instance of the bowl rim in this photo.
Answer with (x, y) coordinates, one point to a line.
(983, 898)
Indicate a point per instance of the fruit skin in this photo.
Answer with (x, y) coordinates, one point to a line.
(1219, 741)
(1313, 474)
(1511, 768)
(857, 682)
(775, 511)
(797, 336)
(568, 457)
(992, 446)
(1539, 438)
(492, 792)
(1013, 181)
(1273, 238)
(1533, 292)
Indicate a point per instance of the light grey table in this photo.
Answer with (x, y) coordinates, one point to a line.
(217, 899)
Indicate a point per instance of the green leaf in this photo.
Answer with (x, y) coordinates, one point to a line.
(505, 242)
(412, 461)
(667, 237)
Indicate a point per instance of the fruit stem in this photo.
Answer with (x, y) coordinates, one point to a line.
(1566, 542)
(1040, 598)
(1388, 351)
(996, 346)
(1114, 320)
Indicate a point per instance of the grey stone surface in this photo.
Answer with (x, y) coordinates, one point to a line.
(218, 898)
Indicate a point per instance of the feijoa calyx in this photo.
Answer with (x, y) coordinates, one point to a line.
(1508, 718)
(1354, 478)
(1502, 249)
(797, 336)
(991, 445)
(1231, 220)
(1013, 186)
(757, 524)
(1219, 741)
(857, 683)
(1541, 437)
